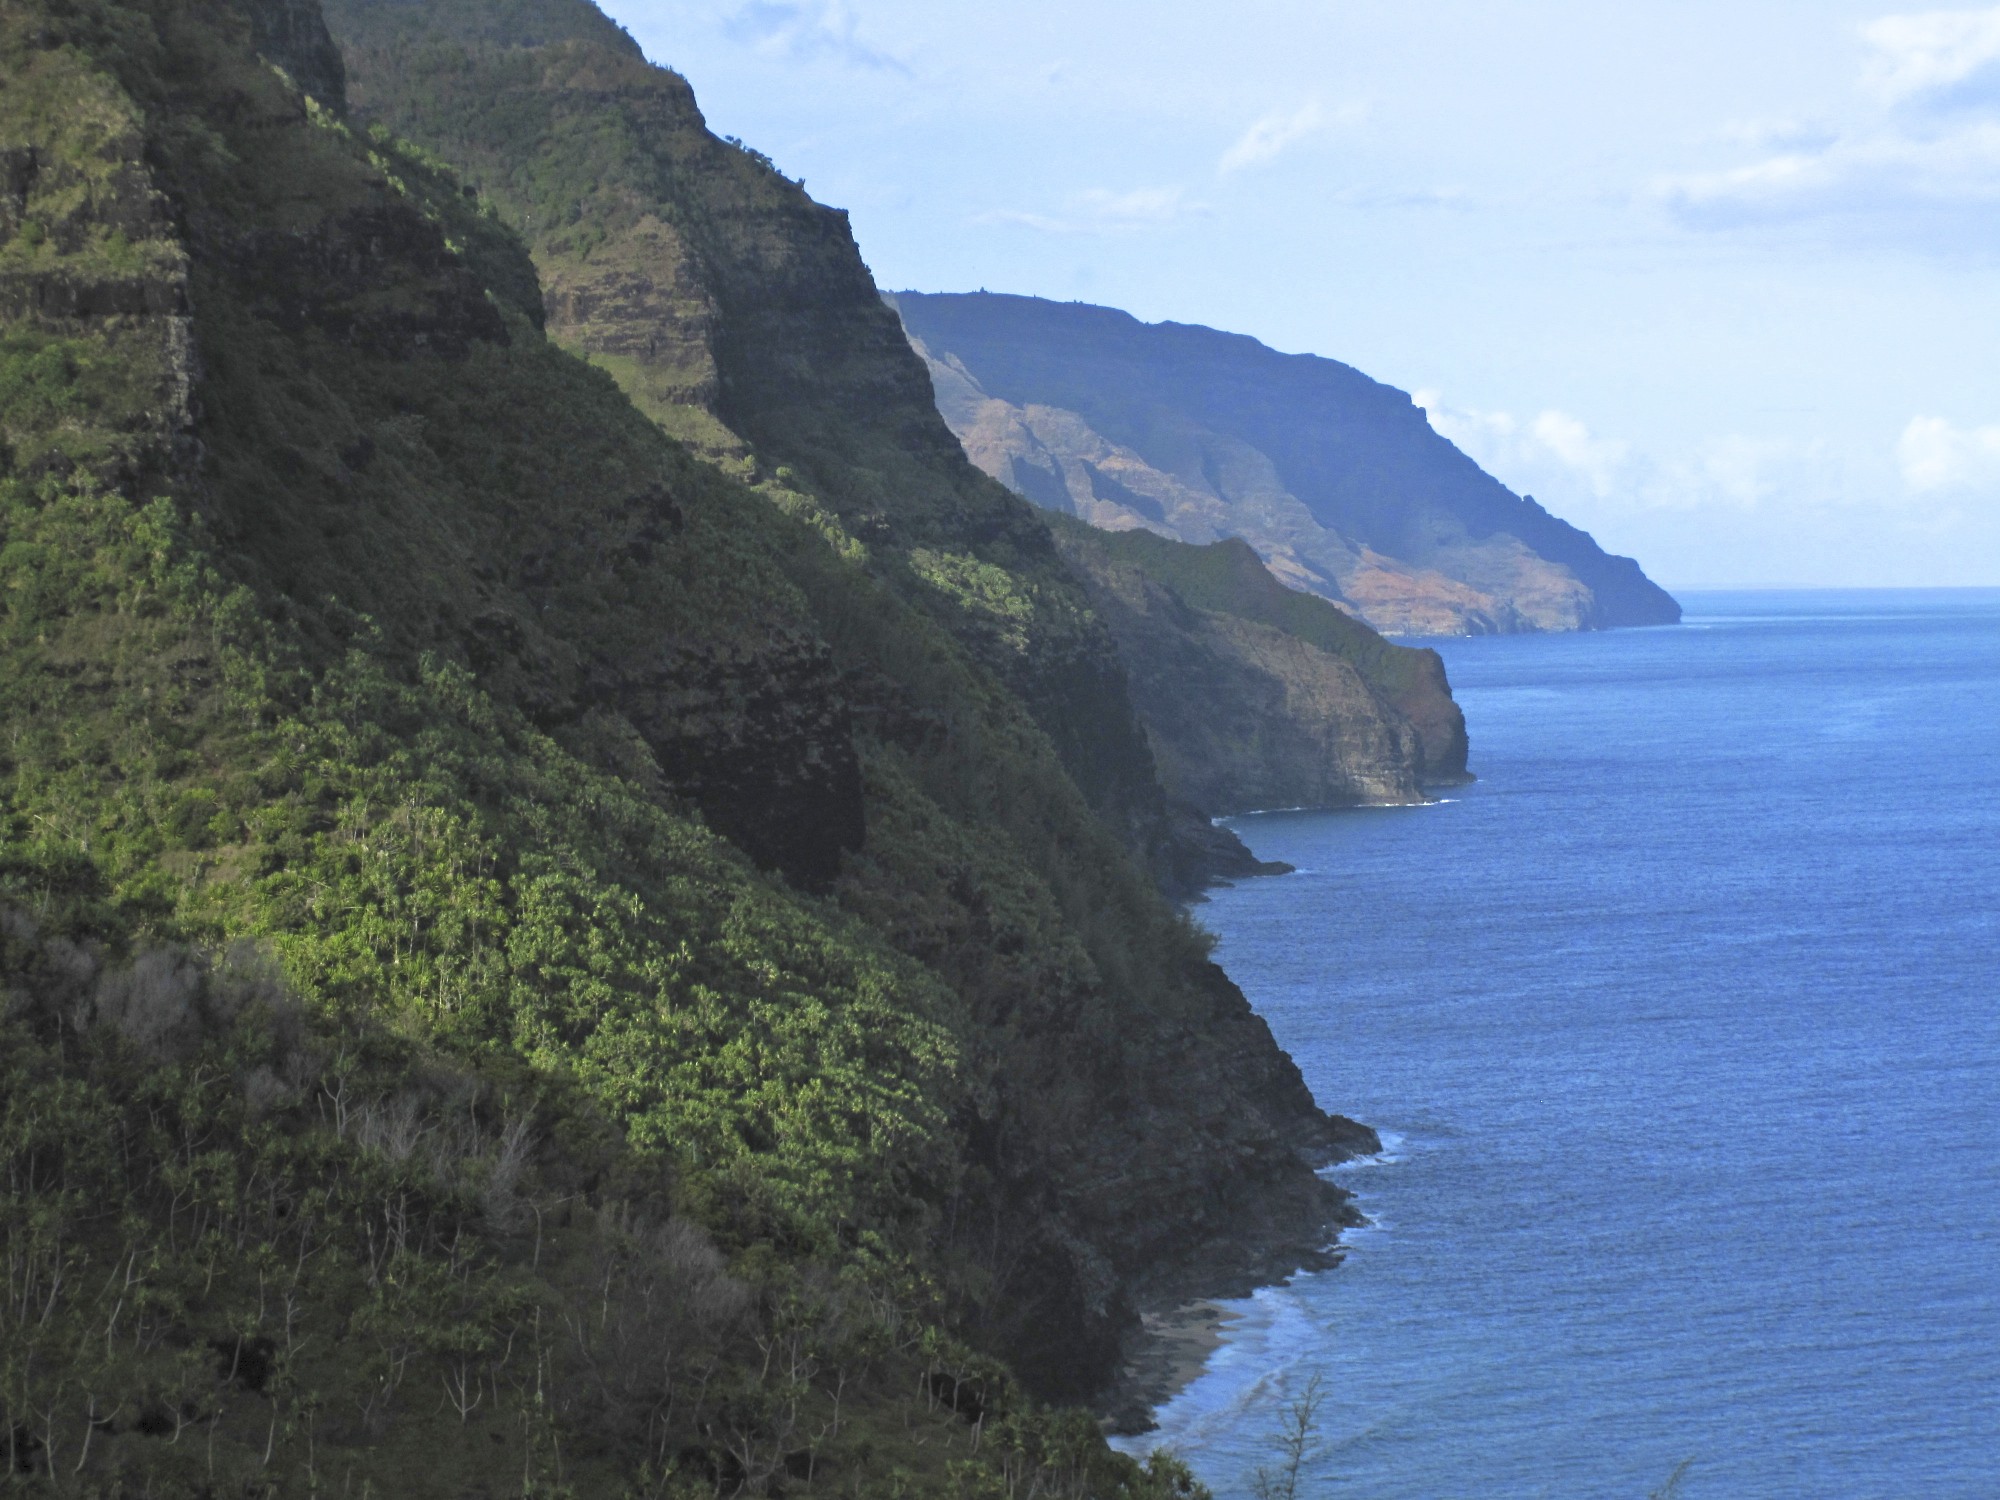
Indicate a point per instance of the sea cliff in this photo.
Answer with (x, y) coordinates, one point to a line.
(1258, 696)
(1336, 480)
(656, 938)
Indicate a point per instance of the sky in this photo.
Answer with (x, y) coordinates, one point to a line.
(1719, 282)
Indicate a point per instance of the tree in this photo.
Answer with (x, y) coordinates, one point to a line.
(1297, 1441)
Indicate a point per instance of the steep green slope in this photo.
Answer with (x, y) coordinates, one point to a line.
(508, 870)
(738, 313)
(1337, 480)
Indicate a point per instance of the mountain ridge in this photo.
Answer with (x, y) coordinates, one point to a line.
(1337, 479)
(498, 905)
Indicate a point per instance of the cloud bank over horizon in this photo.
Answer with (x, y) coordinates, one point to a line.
(1938, 457)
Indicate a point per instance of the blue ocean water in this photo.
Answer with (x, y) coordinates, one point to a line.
(1683, 1026)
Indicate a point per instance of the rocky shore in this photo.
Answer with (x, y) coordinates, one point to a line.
(1181, 1321)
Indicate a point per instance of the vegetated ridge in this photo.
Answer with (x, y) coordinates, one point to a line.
(1257, 696)
(530, 962)
(737, 312)
(1337, 481)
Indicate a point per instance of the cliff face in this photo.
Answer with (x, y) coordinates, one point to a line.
(758, 861)
(1256, 696)
(1337, 481)
(293, 35)
(737, 313)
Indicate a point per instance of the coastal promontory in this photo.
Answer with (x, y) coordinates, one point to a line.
(1338, 481)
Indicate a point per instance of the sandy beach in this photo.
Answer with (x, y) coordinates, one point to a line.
(1171, 1352)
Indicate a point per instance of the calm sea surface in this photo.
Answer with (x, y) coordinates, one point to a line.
(1683, 1028)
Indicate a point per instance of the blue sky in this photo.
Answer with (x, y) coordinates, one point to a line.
(1719, 282)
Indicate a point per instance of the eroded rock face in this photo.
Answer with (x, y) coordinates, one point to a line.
(1337, 481)
(293, 34)
(763, 744)
(1127, 1111)
(94, 269)
(649, 305)
(380, 278)
(1244, 714)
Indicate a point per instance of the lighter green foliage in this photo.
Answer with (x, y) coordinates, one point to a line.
(980, 588)
(783, 493)
(90, 135)
(319, 688)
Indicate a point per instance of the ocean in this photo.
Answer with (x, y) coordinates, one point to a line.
(1682, 1030)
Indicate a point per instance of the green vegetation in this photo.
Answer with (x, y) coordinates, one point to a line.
(737, 313)
(525, 961)
(979, 588)
(342, 1149)
(250, 1253)
(1229, 578)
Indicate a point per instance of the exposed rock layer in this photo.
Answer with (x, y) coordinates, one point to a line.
(1247, 704)
(1337, 481)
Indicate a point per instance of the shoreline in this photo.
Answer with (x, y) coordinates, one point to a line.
(1176, 1335)
(1169, 1353)
(1183, 1322)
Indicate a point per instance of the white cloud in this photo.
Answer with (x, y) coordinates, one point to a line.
(1746, 471)
(1597, 460)
(1451, 198)
(1551, 450)
(1153, 205)
(1027, 219)
(1577, 472)
(1953, 172)
(808, 30)
(1937, 457)
(1778, 135)
(1925, 167)
(1100, 211)
(1270, 136)
(1931, 53)
(1705, 513)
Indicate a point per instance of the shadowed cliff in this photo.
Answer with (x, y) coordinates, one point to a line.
(1258, 696)
(497, 903)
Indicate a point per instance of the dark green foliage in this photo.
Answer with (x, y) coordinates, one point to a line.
(614, 914)
(371, 1217)
(250, 1252)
